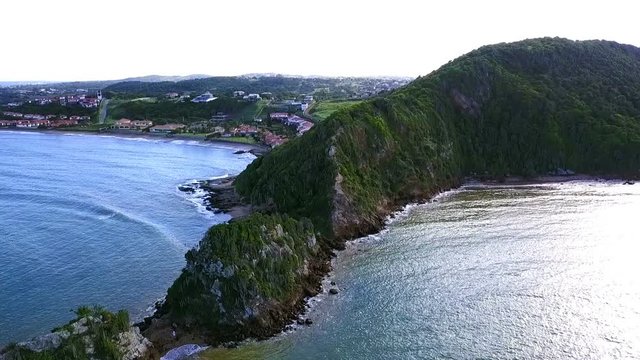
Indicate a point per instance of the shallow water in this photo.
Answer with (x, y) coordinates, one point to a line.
(526, 272)
(88, 219)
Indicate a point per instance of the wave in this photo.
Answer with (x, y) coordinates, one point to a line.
(183, 352)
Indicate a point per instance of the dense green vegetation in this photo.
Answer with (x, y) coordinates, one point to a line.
(165, 111)
(52, 109)
(102, 328)
(524, 108)
(533, 107)
(324, 109)
(228, 282)
(280, 86)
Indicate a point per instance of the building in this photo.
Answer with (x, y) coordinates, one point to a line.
(141, 124)
(126, 124)
(172, 95)
(204, 98)
(281, 116)
(123, 123)
(238, 93)
(244, 130)
(251, 97)
(167, 128)
(220, 117)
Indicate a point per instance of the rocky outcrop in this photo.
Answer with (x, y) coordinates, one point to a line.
(132, 344)
(95, 334)
(231, 289)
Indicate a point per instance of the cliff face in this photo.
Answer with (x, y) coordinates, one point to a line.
(246, 278)
(532, 107)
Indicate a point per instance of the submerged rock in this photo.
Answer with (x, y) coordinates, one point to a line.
(333, 291)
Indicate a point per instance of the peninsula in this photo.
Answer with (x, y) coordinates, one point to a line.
(535, 107)
(546, 106)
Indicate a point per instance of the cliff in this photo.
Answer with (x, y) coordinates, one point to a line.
(533, 107)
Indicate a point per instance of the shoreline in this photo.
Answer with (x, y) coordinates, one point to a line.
(325, 283)
(256, 149)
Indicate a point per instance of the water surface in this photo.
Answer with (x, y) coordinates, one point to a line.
(527, 272)
(88, 219)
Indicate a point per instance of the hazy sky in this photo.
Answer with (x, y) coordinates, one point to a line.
(113, 39)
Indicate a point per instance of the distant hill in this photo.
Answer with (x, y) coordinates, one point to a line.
(281, 85)
(161, 78)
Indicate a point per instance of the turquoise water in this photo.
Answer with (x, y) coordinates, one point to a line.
(88, 219)
(527, 272)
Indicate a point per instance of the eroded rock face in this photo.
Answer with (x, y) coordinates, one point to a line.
(45, 342)
(132, 344)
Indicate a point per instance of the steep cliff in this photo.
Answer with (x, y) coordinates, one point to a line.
(533, 107)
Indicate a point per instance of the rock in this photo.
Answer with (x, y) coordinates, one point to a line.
(628, 182)
(184, 188)
(45, 342)
(300, 321)
(308, 322)
(333, 291)
(333, 283)
(132, 344)
(239, 152)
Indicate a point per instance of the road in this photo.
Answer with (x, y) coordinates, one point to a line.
(102, 114)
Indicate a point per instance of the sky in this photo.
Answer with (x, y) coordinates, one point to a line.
(73, 40)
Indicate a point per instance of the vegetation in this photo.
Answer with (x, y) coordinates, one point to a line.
(324, 109)
(165, 111)
(227, 282)
(53, 109)
(102, 329)
(525, 108)
(280, 86)
(236, 139)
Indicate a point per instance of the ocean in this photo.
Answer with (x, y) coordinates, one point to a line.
(91, 219)
(544, 271)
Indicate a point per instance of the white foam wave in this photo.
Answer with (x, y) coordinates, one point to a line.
(183, 352)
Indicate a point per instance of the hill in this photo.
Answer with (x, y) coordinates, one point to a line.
(532, 107)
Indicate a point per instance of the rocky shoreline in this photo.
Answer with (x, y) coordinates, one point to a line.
(220, 197)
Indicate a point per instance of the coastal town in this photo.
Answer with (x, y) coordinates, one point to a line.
(268, 118)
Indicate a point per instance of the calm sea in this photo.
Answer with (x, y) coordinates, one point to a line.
(527, 272)
(88, 219)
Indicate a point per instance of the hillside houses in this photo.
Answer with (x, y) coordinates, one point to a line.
(167, 128)
(301, 125)
(33, 124)
(126, 124)
(204, 98)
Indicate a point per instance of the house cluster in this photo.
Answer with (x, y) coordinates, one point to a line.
(250, 97)
(272, 139)
(82, 100)
(301, 125)
(72, 100)
(126, 124)
(21, 116)
(166, 128)
(38, 123)
(266, 136)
